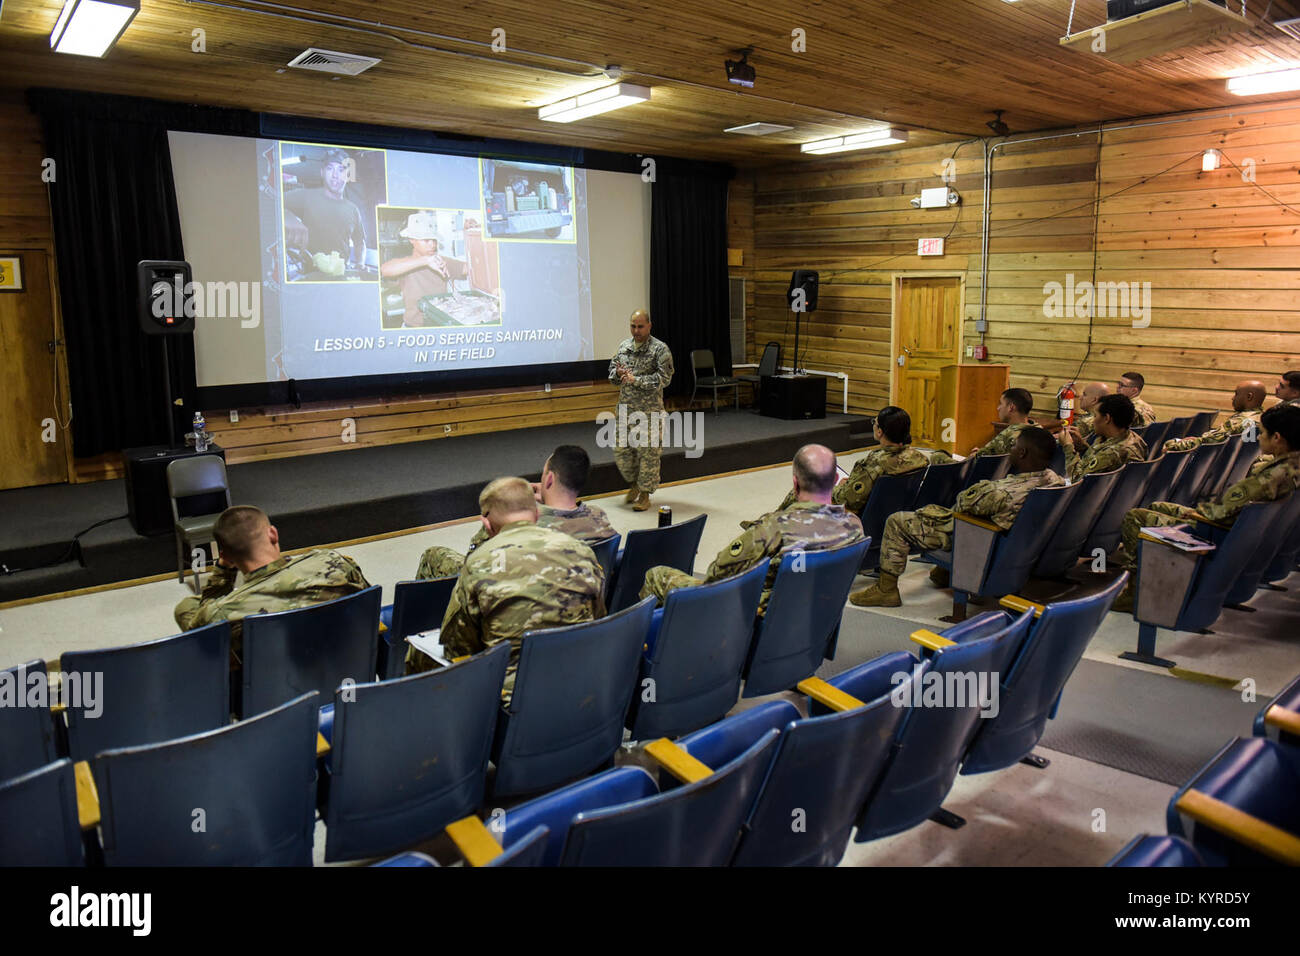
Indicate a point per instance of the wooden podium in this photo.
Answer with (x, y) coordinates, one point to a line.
(968, 394)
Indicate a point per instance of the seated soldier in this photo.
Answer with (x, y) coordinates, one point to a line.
(1115, 446)
(1092, 393)
(812, 523)
(525, 577)
(1013, 408)
(931, 528)
(1288, 388)
(1131, 385)
(1269, 479)
(1247, 406)
(563, 477)
(895, 456)
(249, 543)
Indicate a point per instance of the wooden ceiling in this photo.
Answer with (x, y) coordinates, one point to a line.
(936, 67)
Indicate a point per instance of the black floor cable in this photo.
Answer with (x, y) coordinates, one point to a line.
(72, 549)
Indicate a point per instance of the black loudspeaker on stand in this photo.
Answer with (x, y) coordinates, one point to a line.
(165, 304)
(805, 283)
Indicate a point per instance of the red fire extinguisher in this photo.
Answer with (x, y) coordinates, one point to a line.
(1065, 403)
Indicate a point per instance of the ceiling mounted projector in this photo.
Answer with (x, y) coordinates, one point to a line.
(739, 71)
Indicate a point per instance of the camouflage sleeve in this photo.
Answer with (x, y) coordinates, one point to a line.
(462, 631)
(663, 373)
(998, 444)
(194, 612)
(854, 491)
(1258, 487)
(1073, 463)
(1183, 444)
(1258, 464)
(940, 457)
(353, 573)
(982, 499)
(756, 543)
(480, 536)
(613, 372)
(1107, 459)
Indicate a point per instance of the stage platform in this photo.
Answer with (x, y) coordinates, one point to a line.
(358, 492)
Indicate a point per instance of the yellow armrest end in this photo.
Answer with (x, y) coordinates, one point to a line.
(1014, 602)
(677, 761)
(87, 796)
(828, 694)
(322, 745)
(935, 642)
(475, 842)
(978, 522)
(1242, 827)
(1282, 719)
(383, 628)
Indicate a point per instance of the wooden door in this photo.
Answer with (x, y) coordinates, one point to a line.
(32, 432)
(927, 336)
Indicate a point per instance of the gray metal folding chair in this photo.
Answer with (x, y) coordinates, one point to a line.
(187, 478)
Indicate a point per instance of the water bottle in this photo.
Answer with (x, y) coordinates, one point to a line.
(201, 438)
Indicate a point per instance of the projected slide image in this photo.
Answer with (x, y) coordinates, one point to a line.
(529, 201)
(329, 196)
(436, 270)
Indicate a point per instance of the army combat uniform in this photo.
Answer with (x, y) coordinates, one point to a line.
(651, 363)
(1268, 481)
(854, 490)
(283, 585)
(1083, 425)
(931, 527)
(1143, 414)
(1001, 443)
(803, 526)
(586, 522)
(1235, 425)
(1105, 454)
(524, 578)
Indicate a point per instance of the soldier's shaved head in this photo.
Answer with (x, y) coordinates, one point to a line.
(639, 324)
(1033, 450)
(1249, 395)
(814, 470)
(241, 533)
(506, 500)
(1091, 394)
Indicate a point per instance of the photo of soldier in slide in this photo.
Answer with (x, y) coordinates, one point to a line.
(436, 269)
(529, 201)
(329, 195)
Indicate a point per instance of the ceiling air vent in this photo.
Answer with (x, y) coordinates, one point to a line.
(758, 129)
(1290, 27)
(331, 61)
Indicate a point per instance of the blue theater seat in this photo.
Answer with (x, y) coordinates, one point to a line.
(1243, 807)
(1206, 460)
(1202, 422)
(985, 560)
(620, 818)
(1063, 548)
(1146, 851)
(409, 860)
(408, 756)
(1179, 427)
(694, 657)
(802, 621)
(930, 742)
(1246, 455)
(988, 468)
(824, 764)
(1128, 493)
(418, 606)
(1169, 468)
(244, 795)
(154, 691)
(1270, 545)
(571, 695)
(606, 552)
(1279, 719)
(309, 648)
(1155, 436)
(673, 546)
(1031, 687)
(942, 484)
(38, 818)
(27, 734)
(889, 493)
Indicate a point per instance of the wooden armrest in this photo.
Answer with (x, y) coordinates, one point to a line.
(677, 761)
(1014, 602)
(87, 796)
(935, 642)
(322, 745)
(463, 657)
(475, 842)
(1283, 719)
(978, 522)
(1242, 827)
(828, 694)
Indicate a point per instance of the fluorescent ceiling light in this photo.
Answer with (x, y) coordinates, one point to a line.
(842, 144)
(1282, 81)
(91, 27)
(590, 104)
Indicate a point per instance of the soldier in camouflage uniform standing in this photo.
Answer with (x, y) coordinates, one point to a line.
(1131, 385)
(932, 526)
(811, 523)
(1013, 408)
(563, 476)
(642, 367)
(1274, 476)
(523, 578)
(1247, 406)
(1115, 446)
(249, 544)
(1092, 393)
(895, 456)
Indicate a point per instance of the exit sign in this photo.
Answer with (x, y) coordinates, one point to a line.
(929, 247)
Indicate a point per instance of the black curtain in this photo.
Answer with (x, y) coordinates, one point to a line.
(688, 266)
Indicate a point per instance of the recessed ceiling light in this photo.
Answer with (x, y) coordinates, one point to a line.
(869, 140)
(598, 101)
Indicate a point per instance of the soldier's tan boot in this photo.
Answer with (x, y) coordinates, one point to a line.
(1124, 603)
(884, 593)
(631, 495)
(642, 502)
